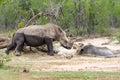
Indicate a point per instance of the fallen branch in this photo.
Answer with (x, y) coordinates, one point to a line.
(4, 45)
(3, 42)
(3, 39)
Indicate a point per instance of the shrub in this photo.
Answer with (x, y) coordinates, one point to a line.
(104, 31)
(3, 58)
(78, 31)
(1, 64)
(117, 36)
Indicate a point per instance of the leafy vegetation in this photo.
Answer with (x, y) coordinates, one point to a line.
(117, 35)
(3, 58)
(79, 16)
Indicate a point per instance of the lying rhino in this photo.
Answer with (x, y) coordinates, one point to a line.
(37, 35)
(91, 50)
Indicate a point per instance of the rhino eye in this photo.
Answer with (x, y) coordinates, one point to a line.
(65, 41)
(82, 50)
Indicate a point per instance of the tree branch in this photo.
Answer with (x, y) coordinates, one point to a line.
(39, 14)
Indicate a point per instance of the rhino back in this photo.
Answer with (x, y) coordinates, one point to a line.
(35, 34)
(103, 52)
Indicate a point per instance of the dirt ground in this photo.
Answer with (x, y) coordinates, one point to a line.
(43, 62)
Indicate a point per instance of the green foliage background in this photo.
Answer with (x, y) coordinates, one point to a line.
(78, 16)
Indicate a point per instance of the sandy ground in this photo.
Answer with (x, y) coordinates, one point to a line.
(36, 62)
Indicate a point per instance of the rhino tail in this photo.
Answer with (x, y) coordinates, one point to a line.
(11, 46)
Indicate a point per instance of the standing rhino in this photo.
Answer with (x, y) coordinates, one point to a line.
(37, 35)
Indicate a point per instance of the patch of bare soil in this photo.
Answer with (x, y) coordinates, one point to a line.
(43, 62)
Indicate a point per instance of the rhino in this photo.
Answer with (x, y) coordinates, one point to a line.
(37, 35)
(91, 50)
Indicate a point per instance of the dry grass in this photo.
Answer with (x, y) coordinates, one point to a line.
(43, 75)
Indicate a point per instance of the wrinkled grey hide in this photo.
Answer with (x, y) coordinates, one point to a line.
(37, 35)
(97, 51)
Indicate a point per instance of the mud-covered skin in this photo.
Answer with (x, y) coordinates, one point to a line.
(96, 51)
(79, 47)
(37, 35)
(90, 49)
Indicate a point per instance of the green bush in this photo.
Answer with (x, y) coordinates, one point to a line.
(1, 64)
(117, 36)
(102, 30)
(21, 24)
(77, 31)
(3, 58)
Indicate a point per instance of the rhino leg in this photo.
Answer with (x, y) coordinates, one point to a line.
(49, 41)
(10, 47)
(20, 43)
(19, 48)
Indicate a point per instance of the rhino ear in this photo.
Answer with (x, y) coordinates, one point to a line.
(81, 44)
(58, 31)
